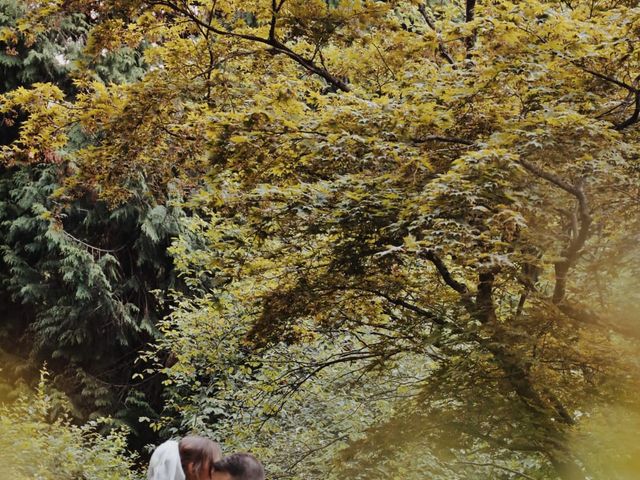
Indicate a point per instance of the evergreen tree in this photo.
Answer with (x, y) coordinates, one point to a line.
(76, 278)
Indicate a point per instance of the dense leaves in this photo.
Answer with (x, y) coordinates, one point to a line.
(35, 447)
(76, 278)
(411, 227)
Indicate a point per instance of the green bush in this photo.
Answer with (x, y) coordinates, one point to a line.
(35, 446)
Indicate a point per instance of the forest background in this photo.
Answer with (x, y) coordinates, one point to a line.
(363, 239)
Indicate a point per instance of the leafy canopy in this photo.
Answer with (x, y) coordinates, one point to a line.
(423, 212)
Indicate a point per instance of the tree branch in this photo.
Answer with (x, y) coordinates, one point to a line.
(635, 116)
(470, 13)
(409, 306)
(441, 138)
(550, 177)
(272, 42)
(606, 78)
(582, 315)
(572, 252)
(275, 10)
(444, 272)
(422, 8)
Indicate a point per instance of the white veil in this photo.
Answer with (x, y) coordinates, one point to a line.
(165, 463)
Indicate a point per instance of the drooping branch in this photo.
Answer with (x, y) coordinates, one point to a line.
(497, 344)
(483, 309)
(583, 315)
(304, 373)
(409, 306)
(276, 45)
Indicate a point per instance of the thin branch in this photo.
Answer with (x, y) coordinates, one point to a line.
(310, 452)
(635, 116)
(608, 111)
(581, 314)
(92, 247)
(409, 306)
(442, 138)
(441, 48)
(384, 61)
(550, 177)
(296, 385)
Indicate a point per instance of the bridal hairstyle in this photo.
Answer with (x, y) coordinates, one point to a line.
(240, 466)
(198, 454)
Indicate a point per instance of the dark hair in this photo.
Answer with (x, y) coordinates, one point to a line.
(241, 466)
(199, 452)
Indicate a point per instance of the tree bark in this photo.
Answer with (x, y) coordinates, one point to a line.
(470, 13)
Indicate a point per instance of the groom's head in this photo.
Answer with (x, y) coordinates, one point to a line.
(239, 466)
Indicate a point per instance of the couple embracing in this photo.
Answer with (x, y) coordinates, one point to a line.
(198, 458)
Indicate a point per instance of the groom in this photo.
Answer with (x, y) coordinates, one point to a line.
(239, 466)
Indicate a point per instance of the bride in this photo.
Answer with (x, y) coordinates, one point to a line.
(191, 458)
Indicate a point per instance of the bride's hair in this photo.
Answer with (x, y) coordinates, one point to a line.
(198, 454)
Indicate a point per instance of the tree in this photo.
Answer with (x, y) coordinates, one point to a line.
(76, 278)
(379, 187)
